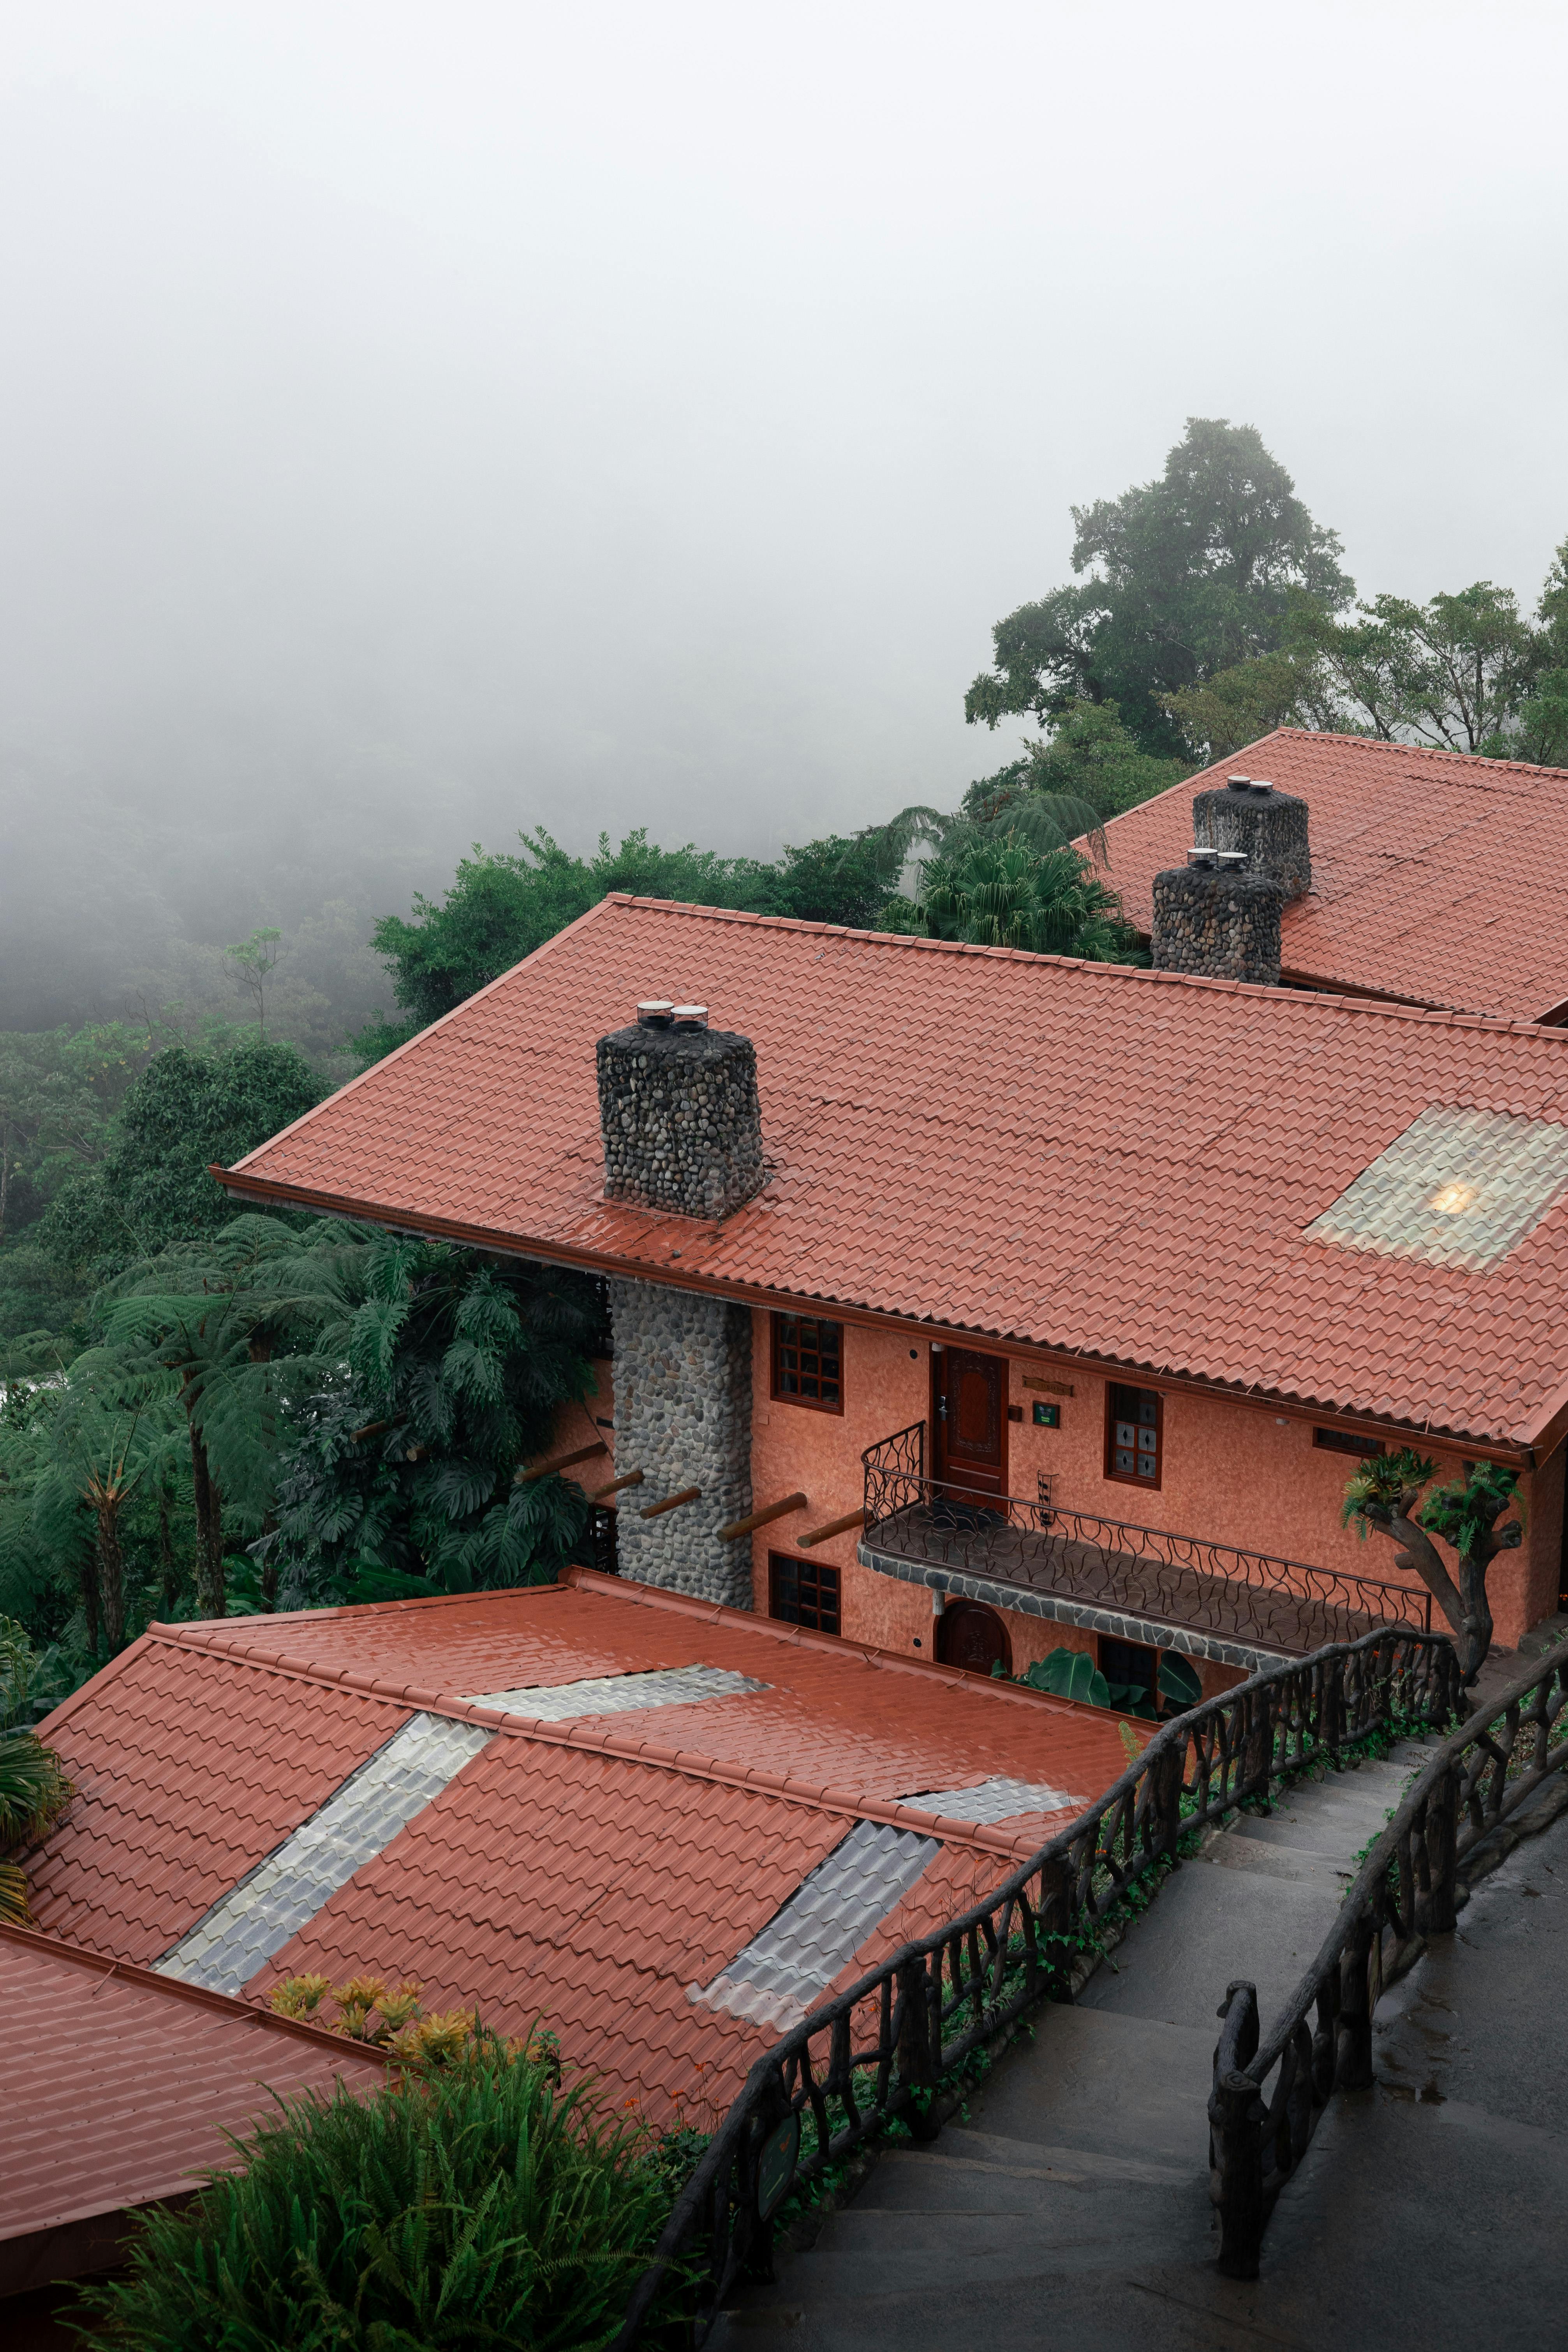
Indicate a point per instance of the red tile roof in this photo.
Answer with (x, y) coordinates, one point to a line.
(586, 1872)
(1113, 1164)
(1436, 879)
(120, 2084)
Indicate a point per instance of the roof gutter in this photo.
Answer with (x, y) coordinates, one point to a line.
(1511, 1454)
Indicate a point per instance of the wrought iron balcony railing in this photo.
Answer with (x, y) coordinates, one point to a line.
(1286, 1607)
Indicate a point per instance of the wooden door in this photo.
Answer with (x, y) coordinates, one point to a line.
(971, 1421)
(970, 1634)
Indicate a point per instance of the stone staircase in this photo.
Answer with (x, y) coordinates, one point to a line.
(1072, 2204)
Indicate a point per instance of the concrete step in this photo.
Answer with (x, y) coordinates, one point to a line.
(1296, 1865)
(1295, 1837)
(1097, 2081)
(1179, 1957)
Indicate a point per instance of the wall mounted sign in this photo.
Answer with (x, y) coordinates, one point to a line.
(775, 2167)
(1047, 1416)
(1052, 1388)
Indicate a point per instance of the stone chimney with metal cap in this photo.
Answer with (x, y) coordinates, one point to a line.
(679, 1112)
(1216, 916)
(1270, 826)
(678, 1108)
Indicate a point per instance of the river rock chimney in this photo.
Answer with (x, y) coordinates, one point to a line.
(1219, 917)
(679, 1112)
(1270, 826)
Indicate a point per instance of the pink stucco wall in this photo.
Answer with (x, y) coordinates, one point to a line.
(1234, 1474)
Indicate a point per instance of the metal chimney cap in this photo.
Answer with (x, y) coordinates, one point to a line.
(654, 1013)
(1203, 856)
(1233, 857)
(1238, 784)
(688, 1016)
(1259, 787)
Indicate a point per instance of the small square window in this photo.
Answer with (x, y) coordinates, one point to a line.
(1133, 1435)
(808, 1361)
(803, 1592)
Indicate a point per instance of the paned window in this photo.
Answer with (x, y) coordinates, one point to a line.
(803, 1592)
(1132, 1434)
(1346, 1440)
(808, 1361)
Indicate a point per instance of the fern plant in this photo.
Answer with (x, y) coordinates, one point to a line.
(478, 2204)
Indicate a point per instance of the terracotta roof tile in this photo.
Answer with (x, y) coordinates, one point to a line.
(587, 1872)
(1118, 1165)
(118, 2086)
(1437, 877)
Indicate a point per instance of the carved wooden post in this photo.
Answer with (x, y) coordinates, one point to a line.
(916, 2071)
(1236, 2137)
(1357, 2000)
(1442, 1844)
(1258, 1757)
(1165, 1776)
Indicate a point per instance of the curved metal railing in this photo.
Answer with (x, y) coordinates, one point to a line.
(878, 2050)
(1260, 1598)
(1406, 1888)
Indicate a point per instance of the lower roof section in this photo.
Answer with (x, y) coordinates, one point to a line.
(119, 2084)
(1115, 1165)
(265, 1797)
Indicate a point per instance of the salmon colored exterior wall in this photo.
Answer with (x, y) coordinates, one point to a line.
(1233, 1474)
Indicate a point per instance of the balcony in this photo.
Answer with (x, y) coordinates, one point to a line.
(1215, 1601)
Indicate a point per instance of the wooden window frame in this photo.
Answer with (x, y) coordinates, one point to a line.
(817, 1570)
(777, 1318)
(1130, 1477)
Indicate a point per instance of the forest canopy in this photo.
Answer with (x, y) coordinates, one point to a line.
(202, 1412)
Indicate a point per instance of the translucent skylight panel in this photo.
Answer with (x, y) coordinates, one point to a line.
(803, 1948)
(1459, 1188)
(996, 1799)
(244, 1929)
(617, 1694)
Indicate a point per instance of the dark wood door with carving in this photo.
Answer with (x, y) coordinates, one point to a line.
(970, 1634)
(970, 1422)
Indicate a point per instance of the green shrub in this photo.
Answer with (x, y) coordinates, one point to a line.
(478, 2206)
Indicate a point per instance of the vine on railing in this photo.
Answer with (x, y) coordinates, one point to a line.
(1284, 1605)
(1477, 1780)
(879, 2049)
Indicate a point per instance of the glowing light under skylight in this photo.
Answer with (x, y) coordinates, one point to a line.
(1459, 1188)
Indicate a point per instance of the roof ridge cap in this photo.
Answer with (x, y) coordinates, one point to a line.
(651, 1753)
(592, 1579)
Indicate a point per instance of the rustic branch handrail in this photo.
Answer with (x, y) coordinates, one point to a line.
(1406, 1889)
(878, 2050)
(1284, 1606)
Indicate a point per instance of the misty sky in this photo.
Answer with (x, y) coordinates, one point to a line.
(424, 420)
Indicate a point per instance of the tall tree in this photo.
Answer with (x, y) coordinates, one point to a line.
(1186, 577)
(1006, 893)
(183, 1113)
(402, 1470)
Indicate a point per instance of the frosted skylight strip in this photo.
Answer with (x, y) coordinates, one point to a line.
(244, 1927)
(1459, 1187)
(996, 1799)
(803, 1948)
(617, 1694)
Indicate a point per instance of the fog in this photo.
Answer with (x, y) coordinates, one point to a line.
(421, 422)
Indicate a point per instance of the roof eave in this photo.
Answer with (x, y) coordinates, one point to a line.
(1514, 1451)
